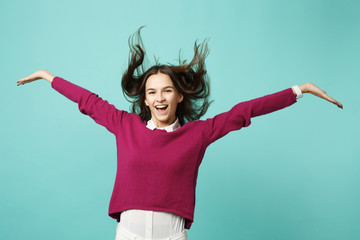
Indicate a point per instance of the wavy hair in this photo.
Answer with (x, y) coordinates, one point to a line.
(190, 80)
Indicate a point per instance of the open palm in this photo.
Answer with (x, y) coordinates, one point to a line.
(313, 89)
(32, 77)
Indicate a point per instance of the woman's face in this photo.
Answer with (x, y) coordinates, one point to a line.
(162, 99)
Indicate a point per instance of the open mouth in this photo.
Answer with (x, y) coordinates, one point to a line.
(161, 109)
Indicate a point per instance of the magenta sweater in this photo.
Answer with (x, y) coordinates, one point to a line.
(157, 170)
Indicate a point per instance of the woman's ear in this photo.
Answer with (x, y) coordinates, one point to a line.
(146, 102)
(181, 97)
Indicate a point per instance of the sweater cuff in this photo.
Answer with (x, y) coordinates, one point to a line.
(53, 83)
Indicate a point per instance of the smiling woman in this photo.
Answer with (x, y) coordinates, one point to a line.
(154, 191)
(188, 80)
(162, 98)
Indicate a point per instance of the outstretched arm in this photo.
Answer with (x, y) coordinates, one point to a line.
(89, 103)
(240, 115)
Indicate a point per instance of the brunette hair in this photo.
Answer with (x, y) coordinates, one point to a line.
(190, 80)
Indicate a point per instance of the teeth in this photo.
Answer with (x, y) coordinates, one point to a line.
(161, 106)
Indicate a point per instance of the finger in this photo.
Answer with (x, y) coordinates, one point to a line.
(327, 98)
(339, 105)
(21, 80)
(336, 103)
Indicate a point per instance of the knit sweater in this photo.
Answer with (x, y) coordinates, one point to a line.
(157, 170)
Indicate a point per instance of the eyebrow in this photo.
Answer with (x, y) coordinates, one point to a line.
(163, 88)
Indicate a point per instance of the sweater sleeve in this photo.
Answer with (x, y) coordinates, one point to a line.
(240, 115)
(90, 104)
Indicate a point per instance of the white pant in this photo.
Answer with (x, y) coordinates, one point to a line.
(148, 224)
(123, 234)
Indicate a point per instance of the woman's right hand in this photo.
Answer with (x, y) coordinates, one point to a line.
(42, 74)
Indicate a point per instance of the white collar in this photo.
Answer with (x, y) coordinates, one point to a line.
(175, 125)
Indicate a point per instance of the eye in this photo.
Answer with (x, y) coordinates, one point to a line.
(168, 91)
(151, 92)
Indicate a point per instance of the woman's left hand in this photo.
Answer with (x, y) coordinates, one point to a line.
(313, 89)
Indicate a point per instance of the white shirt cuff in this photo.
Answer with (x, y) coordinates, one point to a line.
(299, 94)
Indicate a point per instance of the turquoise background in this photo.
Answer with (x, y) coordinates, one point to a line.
(292, 174)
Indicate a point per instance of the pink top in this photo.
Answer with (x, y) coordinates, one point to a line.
(153, 172)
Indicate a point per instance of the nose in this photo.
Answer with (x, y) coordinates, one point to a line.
(159, 97)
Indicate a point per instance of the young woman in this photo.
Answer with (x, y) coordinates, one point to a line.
(161, 142)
